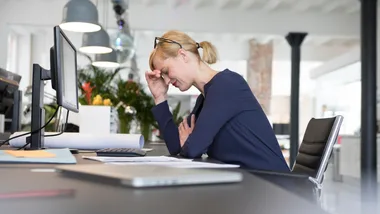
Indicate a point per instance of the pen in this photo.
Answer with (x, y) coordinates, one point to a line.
(38, 194)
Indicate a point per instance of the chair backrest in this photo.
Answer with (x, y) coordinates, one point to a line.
(317, 146)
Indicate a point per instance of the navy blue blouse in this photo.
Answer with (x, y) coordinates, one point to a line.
(230, 127)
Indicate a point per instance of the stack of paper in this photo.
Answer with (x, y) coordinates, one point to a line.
(159, 160)
(136, 159)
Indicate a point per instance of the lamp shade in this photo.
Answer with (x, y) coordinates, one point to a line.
(96, 42)
(108, 60)
(80, 16)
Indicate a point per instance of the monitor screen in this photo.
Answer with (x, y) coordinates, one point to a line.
(64, 72)
(68, 69)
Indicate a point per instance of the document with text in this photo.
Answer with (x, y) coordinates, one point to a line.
(136, 159)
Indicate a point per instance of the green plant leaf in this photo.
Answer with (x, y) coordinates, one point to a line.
(177, 119)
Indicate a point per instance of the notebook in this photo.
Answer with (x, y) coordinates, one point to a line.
(54, 156)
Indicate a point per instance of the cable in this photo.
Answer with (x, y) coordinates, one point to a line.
(63, 130)
(32, 132)
(52, 135)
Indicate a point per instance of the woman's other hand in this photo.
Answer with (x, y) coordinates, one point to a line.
(185, 130)
(157, 85)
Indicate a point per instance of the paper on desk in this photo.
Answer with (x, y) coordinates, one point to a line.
(85, 141)
(136, 159)
(61, 156)
(30, 154)
(182, 164)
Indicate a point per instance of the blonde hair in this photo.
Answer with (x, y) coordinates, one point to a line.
(165, 49)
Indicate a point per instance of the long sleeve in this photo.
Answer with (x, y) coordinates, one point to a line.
(168, 128)
(222, 102)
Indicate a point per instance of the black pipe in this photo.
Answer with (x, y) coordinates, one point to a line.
(368, 104)
(295, 40)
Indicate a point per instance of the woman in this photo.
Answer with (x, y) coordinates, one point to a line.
(227, 121)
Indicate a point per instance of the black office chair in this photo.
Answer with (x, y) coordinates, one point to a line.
(317, 147)
(314, 152)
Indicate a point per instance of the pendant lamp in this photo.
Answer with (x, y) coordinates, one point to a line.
(108, 60)
(80, 16)
(96, 42)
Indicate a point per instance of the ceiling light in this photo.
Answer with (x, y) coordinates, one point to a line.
(107, 60)
(96, 42)
(80, 16)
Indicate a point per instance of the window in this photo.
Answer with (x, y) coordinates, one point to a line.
(12, 52)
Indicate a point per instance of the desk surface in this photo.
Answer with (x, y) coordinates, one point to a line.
(256, 194)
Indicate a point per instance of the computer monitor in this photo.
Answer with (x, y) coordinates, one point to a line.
(9, 83)
(64, 79)
(63, 76)
(13, 118)
(10, 100)
(281, 128)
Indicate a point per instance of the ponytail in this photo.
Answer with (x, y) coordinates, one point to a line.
(209, 52)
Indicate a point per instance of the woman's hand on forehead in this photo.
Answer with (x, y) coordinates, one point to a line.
(157, 73)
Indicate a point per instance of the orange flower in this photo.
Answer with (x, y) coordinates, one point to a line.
(87, 91)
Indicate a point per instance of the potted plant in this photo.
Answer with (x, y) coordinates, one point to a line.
(133, 96)
(94, 81)
(97, 96)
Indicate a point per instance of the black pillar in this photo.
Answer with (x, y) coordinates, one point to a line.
(295, 40)
(368, 116)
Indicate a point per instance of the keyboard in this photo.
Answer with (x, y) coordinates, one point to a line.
(120, 152)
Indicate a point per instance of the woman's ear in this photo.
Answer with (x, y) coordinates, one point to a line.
(183, 55)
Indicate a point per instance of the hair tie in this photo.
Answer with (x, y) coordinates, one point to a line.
(198, 46)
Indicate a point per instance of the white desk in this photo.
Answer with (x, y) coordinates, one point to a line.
(350, 157)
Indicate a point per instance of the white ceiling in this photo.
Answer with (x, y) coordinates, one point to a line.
(330, 23)
(298, 6)
(230, 46)
(318, 6)
(269, 17)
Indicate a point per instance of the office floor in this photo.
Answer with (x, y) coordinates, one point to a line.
(343, 197)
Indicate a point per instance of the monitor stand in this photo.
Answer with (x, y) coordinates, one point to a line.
(36, 138)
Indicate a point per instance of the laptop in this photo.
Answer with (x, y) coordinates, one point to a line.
(151, 175)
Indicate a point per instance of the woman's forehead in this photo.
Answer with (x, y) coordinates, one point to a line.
(158, 64)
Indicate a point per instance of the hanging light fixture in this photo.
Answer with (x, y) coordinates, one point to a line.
(108, 60)
(123, 42)
(96, 42)
(80, 16)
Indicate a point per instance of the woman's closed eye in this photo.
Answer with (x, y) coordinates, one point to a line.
(164, 73)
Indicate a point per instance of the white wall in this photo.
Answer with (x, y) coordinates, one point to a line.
(281, 85)
(281, 75)
(340, 91)
(23, 60)
(3, 36)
